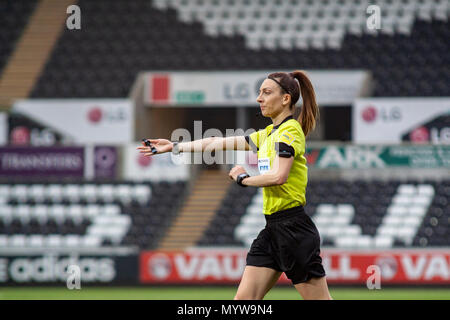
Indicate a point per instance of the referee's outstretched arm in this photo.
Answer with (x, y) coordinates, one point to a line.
(206, 144)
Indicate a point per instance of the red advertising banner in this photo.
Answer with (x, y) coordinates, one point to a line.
(225, 266)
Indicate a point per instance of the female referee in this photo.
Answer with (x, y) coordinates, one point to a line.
(290, 241)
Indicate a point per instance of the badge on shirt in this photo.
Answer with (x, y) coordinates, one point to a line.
(287, 138)
(263, 165)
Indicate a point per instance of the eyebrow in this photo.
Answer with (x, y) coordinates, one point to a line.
(265, 88)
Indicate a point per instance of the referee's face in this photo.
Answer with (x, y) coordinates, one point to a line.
(270, 98)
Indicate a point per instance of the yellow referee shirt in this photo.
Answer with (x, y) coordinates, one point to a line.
(286, 139)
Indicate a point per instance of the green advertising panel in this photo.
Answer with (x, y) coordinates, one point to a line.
(353, 156)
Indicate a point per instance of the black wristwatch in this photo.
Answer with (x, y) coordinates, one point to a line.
(240, 178)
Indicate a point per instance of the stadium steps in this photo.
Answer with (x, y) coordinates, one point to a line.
(198, 210)
(33, 49)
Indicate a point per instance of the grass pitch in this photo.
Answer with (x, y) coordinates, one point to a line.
(211, 293)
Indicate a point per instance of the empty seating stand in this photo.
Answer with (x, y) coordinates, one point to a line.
(251, 34)
(86, 214)
(350, 214)
(14, 15)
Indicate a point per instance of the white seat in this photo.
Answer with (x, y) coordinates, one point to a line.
(89, 192)
(142, 193)
(4, 191)
(345, 242)
(57, 212)
(37, 192)
(71, 241)
(53, 240)
(106, 192)
(243, 231)
(111, 209)
(341, 220)
(36, 241)
(417, 211)
(326, 209)
(403, 199)
(345, 210)
(23, 213)
(364, 241)
(18, 240)
(425, 189)
(40, 213)
(323, 230)
(103, 220)
(321, 220)
(422, 200)
(412, 221)
(383, 242)
(406, 232)
(386, 230)
(75, 213)
(123, 193)
(392, 220)
(408, 189)
(334, 231)
(160, 4)
(19, 192)
(397, 210)
(54, 193)
(72, 192)
(91, 241)
(254, 209)
(96, 230)
(352, 230)
(91, 211)
(253, 221)
(4, 241)
(302, 40)
(6, 214)
(334, 39)
(115, 234)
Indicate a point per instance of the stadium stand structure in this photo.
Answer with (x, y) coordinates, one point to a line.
(408, 56)
(14, 16)
(388, 214)
(86, 214)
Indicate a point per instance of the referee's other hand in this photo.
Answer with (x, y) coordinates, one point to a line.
(235, 171)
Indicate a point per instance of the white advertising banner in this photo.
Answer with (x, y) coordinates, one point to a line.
(160, 167)
(3, 128)
(396, 120)
(235, 88)
(100, 121)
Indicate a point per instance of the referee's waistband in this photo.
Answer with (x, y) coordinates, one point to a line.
(284, 214)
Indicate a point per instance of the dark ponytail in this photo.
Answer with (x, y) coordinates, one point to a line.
(309, 113)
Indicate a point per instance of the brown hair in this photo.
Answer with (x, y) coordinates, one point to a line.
(309, 113)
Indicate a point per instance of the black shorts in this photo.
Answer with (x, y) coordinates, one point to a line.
(289, 243)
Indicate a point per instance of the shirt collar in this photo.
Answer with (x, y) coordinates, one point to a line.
(286, 119)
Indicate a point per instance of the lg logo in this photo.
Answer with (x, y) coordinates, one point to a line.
(97, 114)
(371, 114)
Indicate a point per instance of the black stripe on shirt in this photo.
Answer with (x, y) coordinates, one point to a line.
(255, 149)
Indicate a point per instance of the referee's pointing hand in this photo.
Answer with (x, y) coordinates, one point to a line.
(237, 170)
(161, 145)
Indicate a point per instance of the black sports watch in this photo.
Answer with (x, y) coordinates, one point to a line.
(240, 178)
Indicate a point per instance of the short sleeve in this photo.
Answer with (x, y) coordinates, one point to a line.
(254, 140)
(289, 142)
